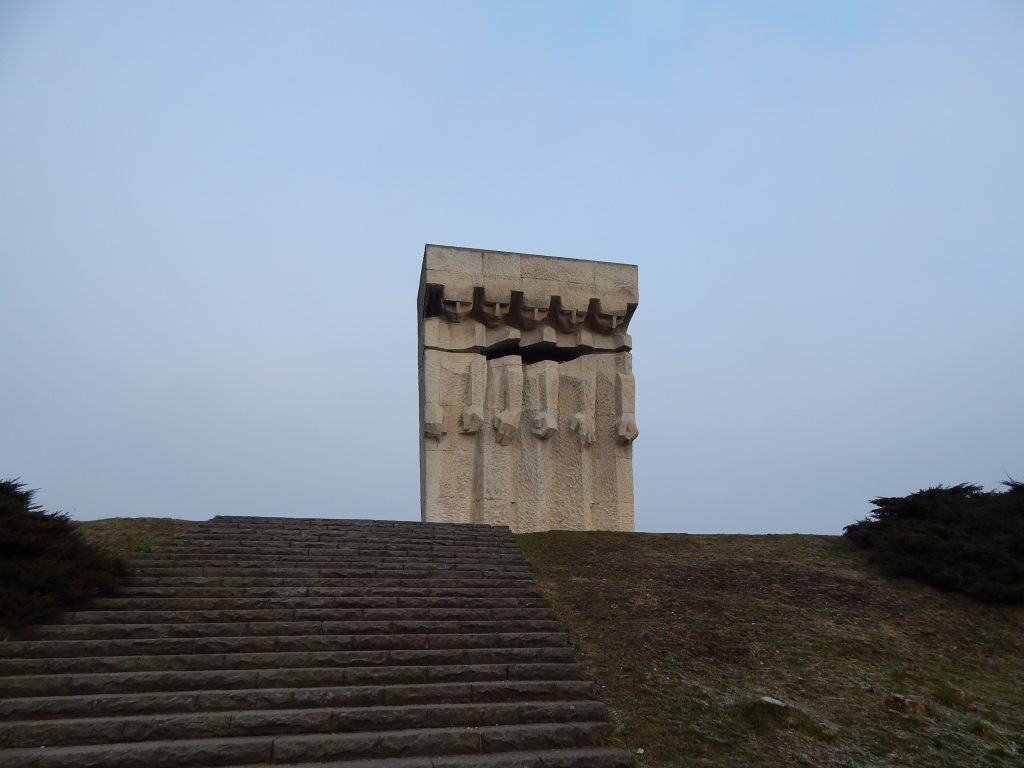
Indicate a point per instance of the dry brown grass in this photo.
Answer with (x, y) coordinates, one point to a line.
(686, 633)
(123, 537)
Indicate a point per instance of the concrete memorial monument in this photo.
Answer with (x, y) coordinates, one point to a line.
(526, 390)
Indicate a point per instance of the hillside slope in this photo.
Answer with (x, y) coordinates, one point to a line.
(686, 633)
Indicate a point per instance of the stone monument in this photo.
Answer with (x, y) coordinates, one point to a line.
(526, 390)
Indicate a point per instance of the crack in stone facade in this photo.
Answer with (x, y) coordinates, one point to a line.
(527, 413)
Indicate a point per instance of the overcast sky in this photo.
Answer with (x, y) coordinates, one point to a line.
(212, 217)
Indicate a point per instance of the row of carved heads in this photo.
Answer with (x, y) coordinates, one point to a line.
(517, 311)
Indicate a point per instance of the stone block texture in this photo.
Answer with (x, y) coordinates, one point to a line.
(261, 641)
(527, 415)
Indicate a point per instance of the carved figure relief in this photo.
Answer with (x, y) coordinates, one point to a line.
(526, 390)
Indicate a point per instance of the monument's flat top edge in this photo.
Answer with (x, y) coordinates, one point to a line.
(520, 253)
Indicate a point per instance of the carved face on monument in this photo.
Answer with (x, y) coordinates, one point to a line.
(454, 310)
(530, 313)
(492, 313)
(568, 319)
(605, 321)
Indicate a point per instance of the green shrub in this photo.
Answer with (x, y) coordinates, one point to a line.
(45, 564)
(960, 538)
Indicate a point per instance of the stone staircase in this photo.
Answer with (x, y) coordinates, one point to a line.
(267, 641)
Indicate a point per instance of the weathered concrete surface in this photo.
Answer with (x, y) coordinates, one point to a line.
(527, 396)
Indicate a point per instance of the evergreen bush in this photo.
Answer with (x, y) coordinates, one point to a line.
(45, 563)
(959, 538)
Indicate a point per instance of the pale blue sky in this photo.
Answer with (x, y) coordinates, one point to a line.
(212, 216)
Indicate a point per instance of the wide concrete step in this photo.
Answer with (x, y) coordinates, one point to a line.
(583, 757)
(378, 538)
(247, 722)
(327, 551)
(395, 570)
(289, 567)
(104, 705)
(268, 643)
(122, 682)
(193, 555)
(236, 543)
(396, 527)
(412, 579)
(326, 559)
(335, 537)
(234, 615)
(316, 522)
(383, 539)
(241, 628)
(278, 749)
(160, 589)
(281, 660)
(393, 528)
(145, 603)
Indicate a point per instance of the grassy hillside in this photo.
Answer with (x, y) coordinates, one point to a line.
(127, 536)
(686, 634)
